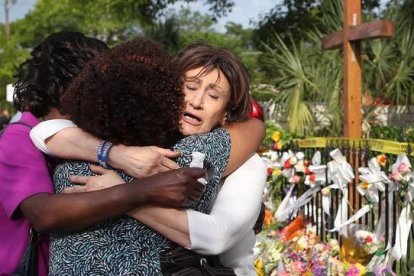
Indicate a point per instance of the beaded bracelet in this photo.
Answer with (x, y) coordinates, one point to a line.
(103, 153)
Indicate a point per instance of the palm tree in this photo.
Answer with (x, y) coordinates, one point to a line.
(390, 63)
(305, 75)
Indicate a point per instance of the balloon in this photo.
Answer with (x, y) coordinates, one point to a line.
(256, 111)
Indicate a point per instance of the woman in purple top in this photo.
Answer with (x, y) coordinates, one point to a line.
(26, 190)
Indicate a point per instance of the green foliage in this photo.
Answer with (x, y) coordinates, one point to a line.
(298, 73)
(392, 133)
(10, 57)
(389, 64)
(293, 18)
(296, 18)
(272, 127)
(303, 74)
(110, 20)
(115, 21)
(146, 11)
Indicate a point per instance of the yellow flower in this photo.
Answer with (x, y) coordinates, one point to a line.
(326, 191)
(276, 136)
(382, 160)
(276, 172)
(258, 264)
(355, 269)
(364, 185)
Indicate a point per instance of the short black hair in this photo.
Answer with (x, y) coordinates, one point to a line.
(42, 79)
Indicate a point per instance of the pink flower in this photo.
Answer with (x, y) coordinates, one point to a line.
(295, 179)
(396, 176)
(353, 271)
(298, 266)
(403, 168)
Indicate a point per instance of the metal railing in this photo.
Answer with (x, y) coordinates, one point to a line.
(357, 153)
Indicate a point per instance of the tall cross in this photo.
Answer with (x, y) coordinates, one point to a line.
(350, 38)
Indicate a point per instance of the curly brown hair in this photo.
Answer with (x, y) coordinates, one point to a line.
(128, 95)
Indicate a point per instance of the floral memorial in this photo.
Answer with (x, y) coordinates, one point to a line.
(313, 228)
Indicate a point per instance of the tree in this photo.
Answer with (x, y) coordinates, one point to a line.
(296, 18)
(185, 27)
(110, 20)
(10, 57)
(389, 64)
(303, 74)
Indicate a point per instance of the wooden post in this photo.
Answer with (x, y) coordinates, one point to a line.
(350, 40)
(352, 72)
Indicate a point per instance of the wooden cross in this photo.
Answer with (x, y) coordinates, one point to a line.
(350, 38)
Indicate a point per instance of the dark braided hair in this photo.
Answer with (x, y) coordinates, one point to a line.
(42, 79)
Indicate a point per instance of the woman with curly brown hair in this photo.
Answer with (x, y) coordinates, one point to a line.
(27, 196)
(119, 96)
(205, 113)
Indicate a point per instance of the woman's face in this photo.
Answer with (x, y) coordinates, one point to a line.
(206, 98)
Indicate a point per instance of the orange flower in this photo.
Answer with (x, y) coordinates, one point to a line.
(364, 185)
(277, 145)
(293, 228)
(382, 160)
(268, 219)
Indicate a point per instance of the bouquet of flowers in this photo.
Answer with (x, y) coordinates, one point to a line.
(295, 250)
(368, 241)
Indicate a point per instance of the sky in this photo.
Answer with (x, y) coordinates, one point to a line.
(243, 10)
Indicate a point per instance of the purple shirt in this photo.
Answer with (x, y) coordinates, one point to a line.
(23, 173)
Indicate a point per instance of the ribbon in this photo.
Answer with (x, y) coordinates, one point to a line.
(402, 232)
(318, 171)
(339, 171)
(381, 226)
(326, 200)
(401, 173)
(287, 161)
(342, 214)
(365, 209)
(373, 180)
(280, 215)
(374, 144)
(283, 214)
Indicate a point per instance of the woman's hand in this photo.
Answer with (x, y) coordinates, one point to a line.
(104, 179)
(140, 162)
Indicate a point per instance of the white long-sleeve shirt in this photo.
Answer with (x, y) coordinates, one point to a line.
(228, 230)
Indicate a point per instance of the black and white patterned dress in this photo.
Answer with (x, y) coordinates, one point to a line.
(124, 246)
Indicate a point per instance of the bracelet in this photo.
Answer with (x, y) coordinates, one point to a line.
(103, 153)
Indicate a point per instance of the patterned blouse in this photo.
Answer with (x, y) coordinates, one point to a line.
(123, 245)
